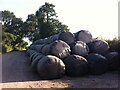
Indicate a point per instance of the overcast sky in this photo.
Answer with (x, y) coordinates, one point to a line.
(100, 17)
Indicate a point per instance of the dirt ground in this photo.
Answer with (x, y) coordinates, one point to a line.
(16, 73)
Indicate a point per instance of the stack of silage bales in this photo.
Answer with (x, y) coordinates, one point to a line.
(72, 54)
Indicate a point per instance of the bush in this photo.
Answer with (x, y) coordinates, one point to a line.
(114, 44)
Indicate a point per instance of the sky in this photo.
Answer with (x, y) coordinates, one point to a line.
(100, 17)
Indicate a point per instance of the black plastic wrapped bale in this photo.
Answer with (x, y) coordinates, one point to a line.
(50, 67)
(98, 46)
(30, 52)
(113, 60)
(38, 47)
(83, 35)
(98, 64)
(46, 49)
(79, 48)
(34, 54)
(75, 65)
(52, 39)
(58, 48)
(35, 61)
(40, 41)
(67, 37)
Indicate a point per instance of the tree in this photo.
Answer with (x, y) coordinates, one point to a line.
(48, 24)
(30, 27)
(11, 24)
(13, 33)
(11, 42)
(59, 26)
(42, 24)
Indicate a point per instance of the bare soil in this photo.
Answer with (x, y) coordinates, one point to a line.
(17, 73)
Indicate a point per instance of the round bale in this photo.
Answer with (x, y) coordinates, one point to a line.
(83, 35)
(58, 48)
(98, 46)
(67, 37)
(79, 48)
(40, 41)
(75, 65)
(98, 64)
(35, 55)
(35, 62)
(38, 47)
(113, 60)
(30, 52)
(50, 67)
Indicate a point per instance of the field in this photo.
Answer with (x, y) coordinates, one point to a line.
(16, 73)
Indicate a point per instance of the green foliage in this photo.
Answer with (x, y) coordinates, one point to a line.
(44, 23)
(11, 42)
(30, 27)
(12, 32)
(114, 44)
(7, 40)
(12, 24)
(7, 18)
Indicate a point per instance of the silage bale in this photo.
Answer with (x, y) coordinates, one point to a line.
(83, 35)
(34, 57)
(97, 63)
(38, 47)
(58, 48)
(50, 67)
(33, 54)
(46, 49)
(79, 48)
(76, 65)
(30, 52)
(40, 41)
(113, 60)
(35, 61)
(52, 39)
(98, 46)
(67, 37)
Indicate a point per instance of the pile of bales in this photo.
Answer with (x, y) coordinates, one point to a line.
(71, 54)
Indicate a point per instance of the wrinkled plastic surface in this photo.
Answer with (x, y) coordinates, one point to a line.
(113, 60)
(83, 35)
(50, 67)
(98, 64)
(67, 37)
(76, 65)
(80, 48)
(98, 46)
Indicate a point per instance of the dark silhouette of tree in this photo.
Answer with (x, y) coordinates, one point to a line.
(48, 24)
(12, 37)
(30, 27)
(42, 24)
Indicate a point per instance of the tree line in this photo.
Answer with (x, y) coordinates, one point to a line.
(42, 24)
